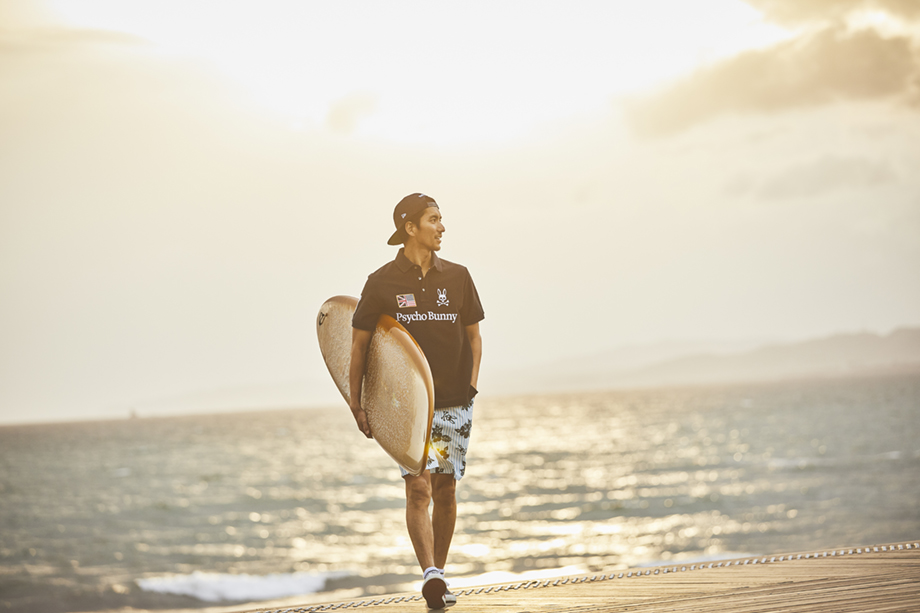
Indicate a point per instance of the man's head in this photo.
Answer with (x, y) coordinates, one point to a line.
(411, 218)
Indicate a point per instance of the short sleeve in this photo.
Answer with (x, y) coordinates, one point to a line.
(368, 310)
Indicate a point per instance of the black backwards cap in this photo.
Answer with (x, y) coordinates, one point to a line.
(407, 207)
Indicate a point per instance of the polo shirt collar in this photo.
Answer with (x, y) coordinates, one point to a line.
(405, 264)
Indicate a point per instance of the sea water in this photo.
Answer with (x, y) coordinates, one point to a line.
(185, 512)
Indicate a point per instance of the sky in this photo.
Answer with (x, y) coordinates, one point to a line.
(182, 184)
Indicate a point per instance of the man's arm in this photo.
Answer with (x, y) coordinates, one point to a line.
(472, 333)
(360, 341)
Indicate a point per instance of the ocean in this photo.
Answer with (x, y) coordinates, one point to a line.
(220, 510)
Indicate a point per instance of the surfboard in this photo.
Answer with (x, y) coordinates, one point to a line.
(398, 391)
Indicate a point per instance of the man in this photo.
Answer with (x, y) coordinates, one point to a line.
(437, 303)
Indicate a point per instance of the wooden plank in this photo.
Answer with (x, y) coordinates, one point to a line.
(870, 581)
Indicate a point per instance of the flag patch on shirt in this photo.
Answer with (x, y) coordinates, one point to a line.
(405, 300)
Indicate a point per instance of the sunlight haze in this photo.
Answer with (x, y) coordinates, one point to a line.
(183, 184)
(437, 73)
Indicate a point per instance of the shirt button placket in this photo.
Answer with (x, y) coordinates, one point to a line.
(420, 284)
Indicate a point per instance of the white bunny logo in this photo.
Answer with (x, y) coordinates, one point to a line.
(442, 298)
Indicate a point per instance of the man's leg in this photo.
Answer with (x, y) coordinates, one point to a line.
(418, 523)
(418, 496)
(444, 515)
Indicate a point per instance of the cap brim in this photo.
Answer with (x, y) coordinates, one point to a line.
(398, 238)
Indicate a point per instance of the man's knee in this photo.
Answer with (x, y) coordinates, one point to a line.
(444, 489)
(418, 490)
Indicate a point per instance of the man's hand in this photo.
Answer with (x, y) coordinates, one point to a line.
(361, 419)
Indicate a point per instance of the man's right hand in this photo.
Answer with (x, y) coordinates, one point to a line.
(361, 419)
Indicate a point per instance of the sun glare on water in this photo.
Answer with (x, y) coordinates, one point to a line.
(436, 73)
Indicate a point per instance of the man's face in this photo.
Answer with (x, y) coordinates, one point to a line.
(429, 230)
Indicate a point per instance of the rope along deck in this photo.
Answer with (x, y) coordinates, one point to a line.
(629, 574)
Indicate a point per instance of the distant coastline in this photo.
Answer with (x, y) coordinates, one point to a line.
(842, 355)
(859, 354)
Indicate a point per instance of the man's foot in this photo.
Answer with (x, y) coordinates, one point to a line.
(449, 598)
(433, 589)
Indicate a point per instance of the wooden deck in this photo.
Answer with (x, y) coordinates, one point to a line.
(866, 579)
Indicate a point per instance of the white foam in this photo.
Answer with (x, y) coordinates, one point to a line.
(217, 587)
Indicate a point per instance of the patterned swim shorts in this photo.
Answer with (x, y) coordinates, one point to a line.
(450, 438)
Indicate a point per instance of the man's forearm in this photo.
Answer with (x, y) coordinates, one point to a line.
(477, 357)
(360, 341)
(356, 374)
(475, 339)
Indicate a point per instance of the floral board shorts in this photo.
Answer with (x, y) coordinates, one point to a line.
(450, 438)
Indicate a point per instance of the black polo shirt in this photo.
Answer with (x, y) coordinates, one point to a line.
(435, 310)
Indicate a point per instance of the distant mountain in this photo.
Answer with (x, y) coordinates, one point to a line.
(840, 355)
(835, 356)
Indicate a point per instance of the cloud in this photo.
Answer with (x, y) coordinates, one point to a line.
(802, 11)
(815, 69)
(14, 42)
(345, 114)
(822, 175)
